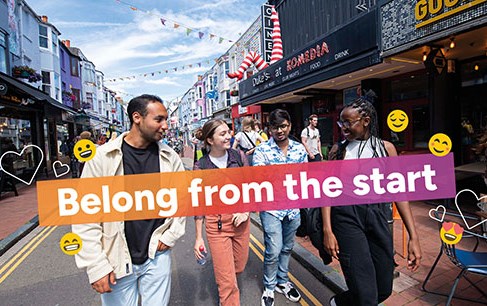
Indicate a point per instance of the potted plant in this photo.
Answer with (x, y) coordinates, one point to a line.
(25, 72)
(234, 92)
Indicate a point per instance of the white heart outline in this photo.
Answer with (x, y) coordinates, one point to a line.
(460, 211)
(436, 209)
(20, 154)
(62, 165)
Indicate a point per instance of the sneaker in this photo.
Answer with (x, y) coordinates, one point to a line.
(332, 301)
(289, 291)
(267, 298)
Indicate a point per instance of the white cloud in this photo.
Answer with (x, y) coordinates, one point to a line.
(86, 24)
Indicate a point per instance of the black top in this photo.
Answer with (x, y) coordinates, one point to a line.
(139, 232)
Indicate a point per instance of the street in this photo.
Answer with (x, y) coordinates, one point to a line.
(36, 272)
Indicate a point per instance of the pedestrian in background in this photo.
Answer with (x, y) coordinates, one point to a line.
(279, 226)
(227, 234)
(359, 235)
(258, 130)
(310, 138)
(132, 259)
(246, 140)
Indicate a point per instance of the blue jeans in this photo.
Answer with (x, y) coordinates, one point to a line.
(151, 280)
(279, 241)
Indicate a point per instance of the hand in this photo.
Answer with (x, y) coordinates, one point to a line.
(103, 284)
(239, 218)
(311, 156)
(162, 247)
(331, 245)
(197, 244)
(249, 152)
(414, 255)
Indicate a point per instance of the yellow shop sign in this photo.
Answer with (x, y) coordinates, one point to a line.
(430, 11)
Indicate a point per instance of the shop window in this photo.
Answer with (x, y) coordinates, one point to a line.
(3, 52)
(54, 43)
(74, 66)
(76, 93)
(43, 38)
(46, 82)
(14, 136)
(409, 87)
(421, 129)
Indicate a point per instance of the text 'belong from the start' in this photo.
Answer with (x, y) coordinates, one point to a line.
(220, 191)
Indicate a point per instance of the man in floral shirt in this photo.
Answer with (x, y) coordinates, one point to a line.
(279, 225)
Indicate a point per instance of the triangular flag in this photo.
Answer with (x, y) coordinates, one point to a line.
(163, 21)
(220, 40)
(133, 8)
(211, 36)
(230, 41)
(175, 68)
(166, 71)
(145, 74)
(199, 64)
(152, 73)
(188, 30)
(190, 66)
(201, 34)
(176, 25)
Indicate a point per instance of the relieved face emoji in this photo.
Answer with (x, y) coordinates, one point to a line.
(451, 233)
(70, 244)
(440, 144)
(84, 150)
(397, 120)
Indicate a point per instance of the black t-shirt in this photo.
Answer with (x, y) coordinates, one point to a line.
(139, 232)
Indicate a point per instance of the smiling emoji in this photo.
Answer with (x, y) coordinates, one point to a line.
(397, 120)
(440, 144)
(84, 150)
(70, 244)
(451, 233)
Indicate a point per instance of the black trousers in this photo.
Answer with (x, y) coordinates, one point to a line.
(316, 159)
(366, 253)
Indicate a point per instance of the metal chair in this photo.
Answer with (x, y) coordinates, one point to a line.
(467, 261)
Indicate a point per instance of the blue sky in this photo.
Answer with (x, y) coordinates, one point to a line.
(124, 42)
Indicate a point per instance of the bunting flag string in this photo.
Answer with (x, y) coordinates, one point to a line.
(153, 73)
(176, 25)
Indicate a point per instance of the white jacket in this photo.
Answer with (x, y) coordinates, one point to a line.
(104, 244)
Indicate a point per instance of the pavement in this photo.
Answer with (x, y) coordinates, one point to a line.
(18, 216)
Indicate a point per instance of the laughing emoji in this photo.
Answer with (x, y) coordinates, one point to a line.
(70, 244)
(451, 233)
(397, 120)
(84, 150)
(440, 144)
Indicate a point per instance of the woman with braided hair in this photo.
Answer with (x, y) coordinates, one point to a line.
(359, 235)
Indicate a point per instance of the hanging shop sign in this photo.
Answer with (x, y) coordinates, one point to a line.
(267, 27)
(430, 11)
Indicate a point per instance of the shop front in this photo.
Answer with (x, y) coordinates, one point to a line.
(320, 76)
(446, 93)
(239, 112)
(21, 125)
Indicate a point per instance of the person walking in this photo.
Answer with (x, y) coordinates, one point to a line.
(258, 130)
(132, 259)
(279, 226)
(227, 234)
(359, 235)
(310, 138)
(246, 140)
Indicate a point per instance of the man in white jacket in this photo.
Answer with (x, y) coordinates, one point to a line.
(125, 260)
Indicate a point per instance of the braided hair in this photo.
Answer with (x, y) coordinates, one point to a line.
(365, 109)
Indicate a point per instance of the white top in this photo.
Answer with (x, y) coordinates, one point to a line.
(363, 149)
(244, 141)
(220, 162)
(312, 137)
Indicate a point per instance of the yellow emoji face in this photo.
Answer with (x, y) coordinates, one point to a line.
(397, 120)
(451, 233)
(440, 144)
(70, 244)
(84, 150)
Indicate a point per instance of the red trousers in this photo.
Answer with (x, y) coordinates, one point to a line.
(229, 248)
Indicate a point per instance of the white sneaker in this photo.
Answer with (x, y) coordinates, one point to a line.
(289, 291)
(267, 298)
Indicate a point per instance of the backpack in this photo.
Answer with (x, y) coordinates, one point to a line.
(233, 155)
(312, 226)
